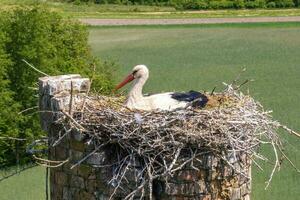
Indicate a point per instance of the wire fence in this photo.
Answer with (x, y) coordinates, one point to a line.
(28, 150)
(7, 170)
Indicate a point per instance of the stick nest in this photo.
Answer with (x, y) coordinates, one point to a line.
(163, 142)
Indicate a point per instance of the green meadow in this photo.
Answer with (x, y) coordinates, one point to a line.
(27, 185)
(200, 57)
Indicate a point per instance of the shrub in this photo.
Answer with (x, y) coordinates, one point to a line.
(262, 3)
(284, 3)
(55, 46)
(190, 5)
(9, 117)
(255, 4)
(178, 4)
(271, 4)
(199, 4)
(239, 4)
(221, 4)
(202, 4)
(195, 4)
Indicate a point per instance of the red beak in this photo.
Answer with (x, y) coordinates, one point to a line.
(128, 79)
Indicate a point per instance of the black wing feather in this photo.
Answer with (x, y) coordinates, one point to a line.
(199, 98)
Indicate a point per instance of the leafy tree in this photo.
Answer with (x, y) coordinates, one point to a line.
(198, 4)
(9, 118)
(52, 44)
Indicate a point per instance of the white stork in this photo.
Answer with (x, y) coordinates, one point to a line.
(162, 101)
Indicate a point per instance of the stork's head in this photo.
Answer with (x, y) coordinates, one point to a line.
(138, 72)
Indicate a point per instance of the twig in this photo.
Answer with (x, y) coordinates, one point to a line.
(30, 65)
(238, 77)
(51, 163)
(32, 108)
(81, 128)
(89, 88)
(212, 92)
(275, 165)
(71, 99)
(290, 130)
(292, 164)
(12, 138)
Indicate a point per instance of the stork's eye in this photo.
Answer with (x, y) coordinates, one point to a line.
(135, 71)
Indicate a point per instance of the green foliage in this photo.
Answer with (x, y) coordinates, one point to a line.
(9, 116)
(239, 4)
(284, 3)
(195, 4)
(271, 4)
(255, 4)
(55, 46)
(200, 4)
(221, 4)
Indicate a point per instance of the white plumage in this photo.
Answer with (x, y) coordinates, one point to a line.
(162, 101)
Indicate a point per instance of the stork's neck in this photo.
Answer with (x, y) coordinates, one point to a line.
(135, 96)
(136, 92)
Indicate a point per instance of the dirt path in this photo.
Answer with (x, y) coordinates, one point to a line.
(117, 22)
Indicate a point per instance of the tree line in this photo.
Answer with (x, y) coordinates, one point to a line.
(55, 46)
(201, 4)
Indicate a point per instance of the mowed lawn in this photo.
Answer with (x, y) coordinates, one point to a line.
(201, 57)
(27, 185)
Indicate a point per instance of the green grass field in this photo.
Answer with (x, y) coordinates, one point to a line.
(200, 57)
(27, 185)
